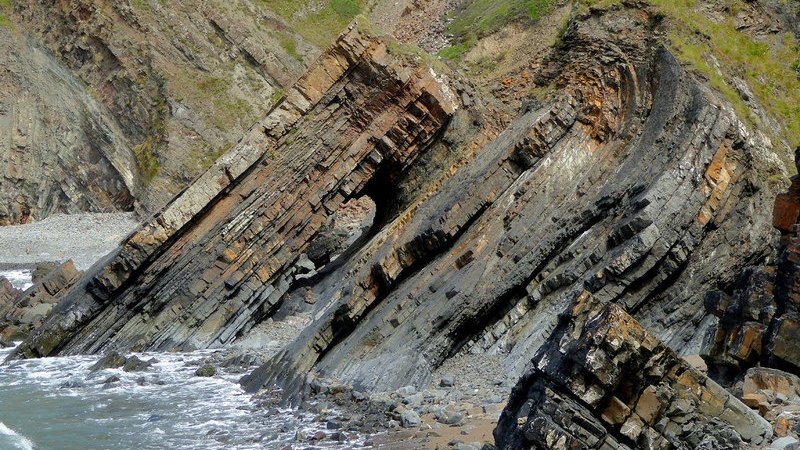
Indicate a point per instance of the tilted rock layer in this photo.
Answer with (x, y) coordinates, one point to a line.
(221, 255)
(602, 381)
(115, 105)
(634, 183)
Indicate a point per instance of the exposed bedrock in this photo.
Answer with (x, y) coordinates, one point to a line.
(59, 151)
(155, 91)
(758, 319)
(21, 312)
(636, 183)
(602, 381)
(223, 253)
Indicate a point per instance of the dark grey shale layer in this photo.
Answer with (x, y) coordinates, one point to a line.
(636, 183)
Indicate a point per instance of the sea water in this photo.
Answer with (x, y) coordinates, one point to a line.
(60, 403)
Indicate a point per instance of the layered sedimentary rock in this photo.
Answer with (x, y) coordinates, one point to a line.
(59, 151)
(759, 320)
(636, 183)
(222, 254)
(21, 312)
(107, 105)
(602, 381)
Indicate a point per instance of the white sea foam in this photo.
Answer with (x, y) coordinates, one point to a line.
(20, 279)
(163, 407)
(17, 440)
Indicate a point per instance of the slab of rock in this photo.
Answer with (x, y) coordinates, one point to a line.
(26, 311)
(759, 379)
(603, 381)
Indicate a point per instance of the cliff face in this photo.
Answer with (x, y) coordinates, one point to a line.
(222, 254)
(627, 183)
(389, 198)
(59, 151)
(602, 381)
(119, 105)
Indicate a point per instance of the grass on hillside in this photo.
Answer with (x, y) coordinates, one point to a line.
(478, 18)
(5, 7)
(318, 22)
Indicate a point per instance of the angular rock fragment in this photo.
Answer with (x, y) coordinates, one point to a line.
(21, 313)
(602, 381)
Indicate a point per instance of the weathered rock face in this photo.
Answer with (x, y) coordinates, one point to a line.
(628, 184)
(222, 254)
(107, 104)
(602, 381)
(21, 312)
(59, 151)
(759, 321)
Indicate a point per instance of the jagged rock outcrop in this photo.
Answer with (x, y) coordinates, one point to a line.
(107, 105)
(628, 184)
(759, 321)
(602, 381)
(21, 312)
(222, 254)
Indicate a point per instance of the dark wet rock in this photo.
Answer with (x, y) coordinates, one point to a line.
(112, 360)
(134, 364)
(206, 370)
(111, 380)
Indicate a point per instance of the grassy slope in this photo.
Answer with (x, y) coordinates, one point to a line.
(5, 6)
(478, 18)
(319, 26)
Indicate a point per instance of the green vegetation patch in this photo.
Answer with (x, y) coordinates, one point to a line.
(5, 8)
(318, 22)
(478, 18)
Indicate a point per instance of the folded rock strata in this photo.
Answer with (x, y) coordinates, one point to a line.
(220, 256)
(602, 381)
(629, 183)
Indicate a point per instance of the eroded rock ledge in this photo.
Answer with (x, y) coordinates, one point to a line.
(602, 381)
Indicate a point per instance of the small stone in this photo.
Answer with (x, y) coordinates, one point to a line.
(616, 412)
(112, 379)
(407, 390)
(206, 370)
(410, 419)
(448, 380)
(134, 364)
(112, 360)
(319, 435)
